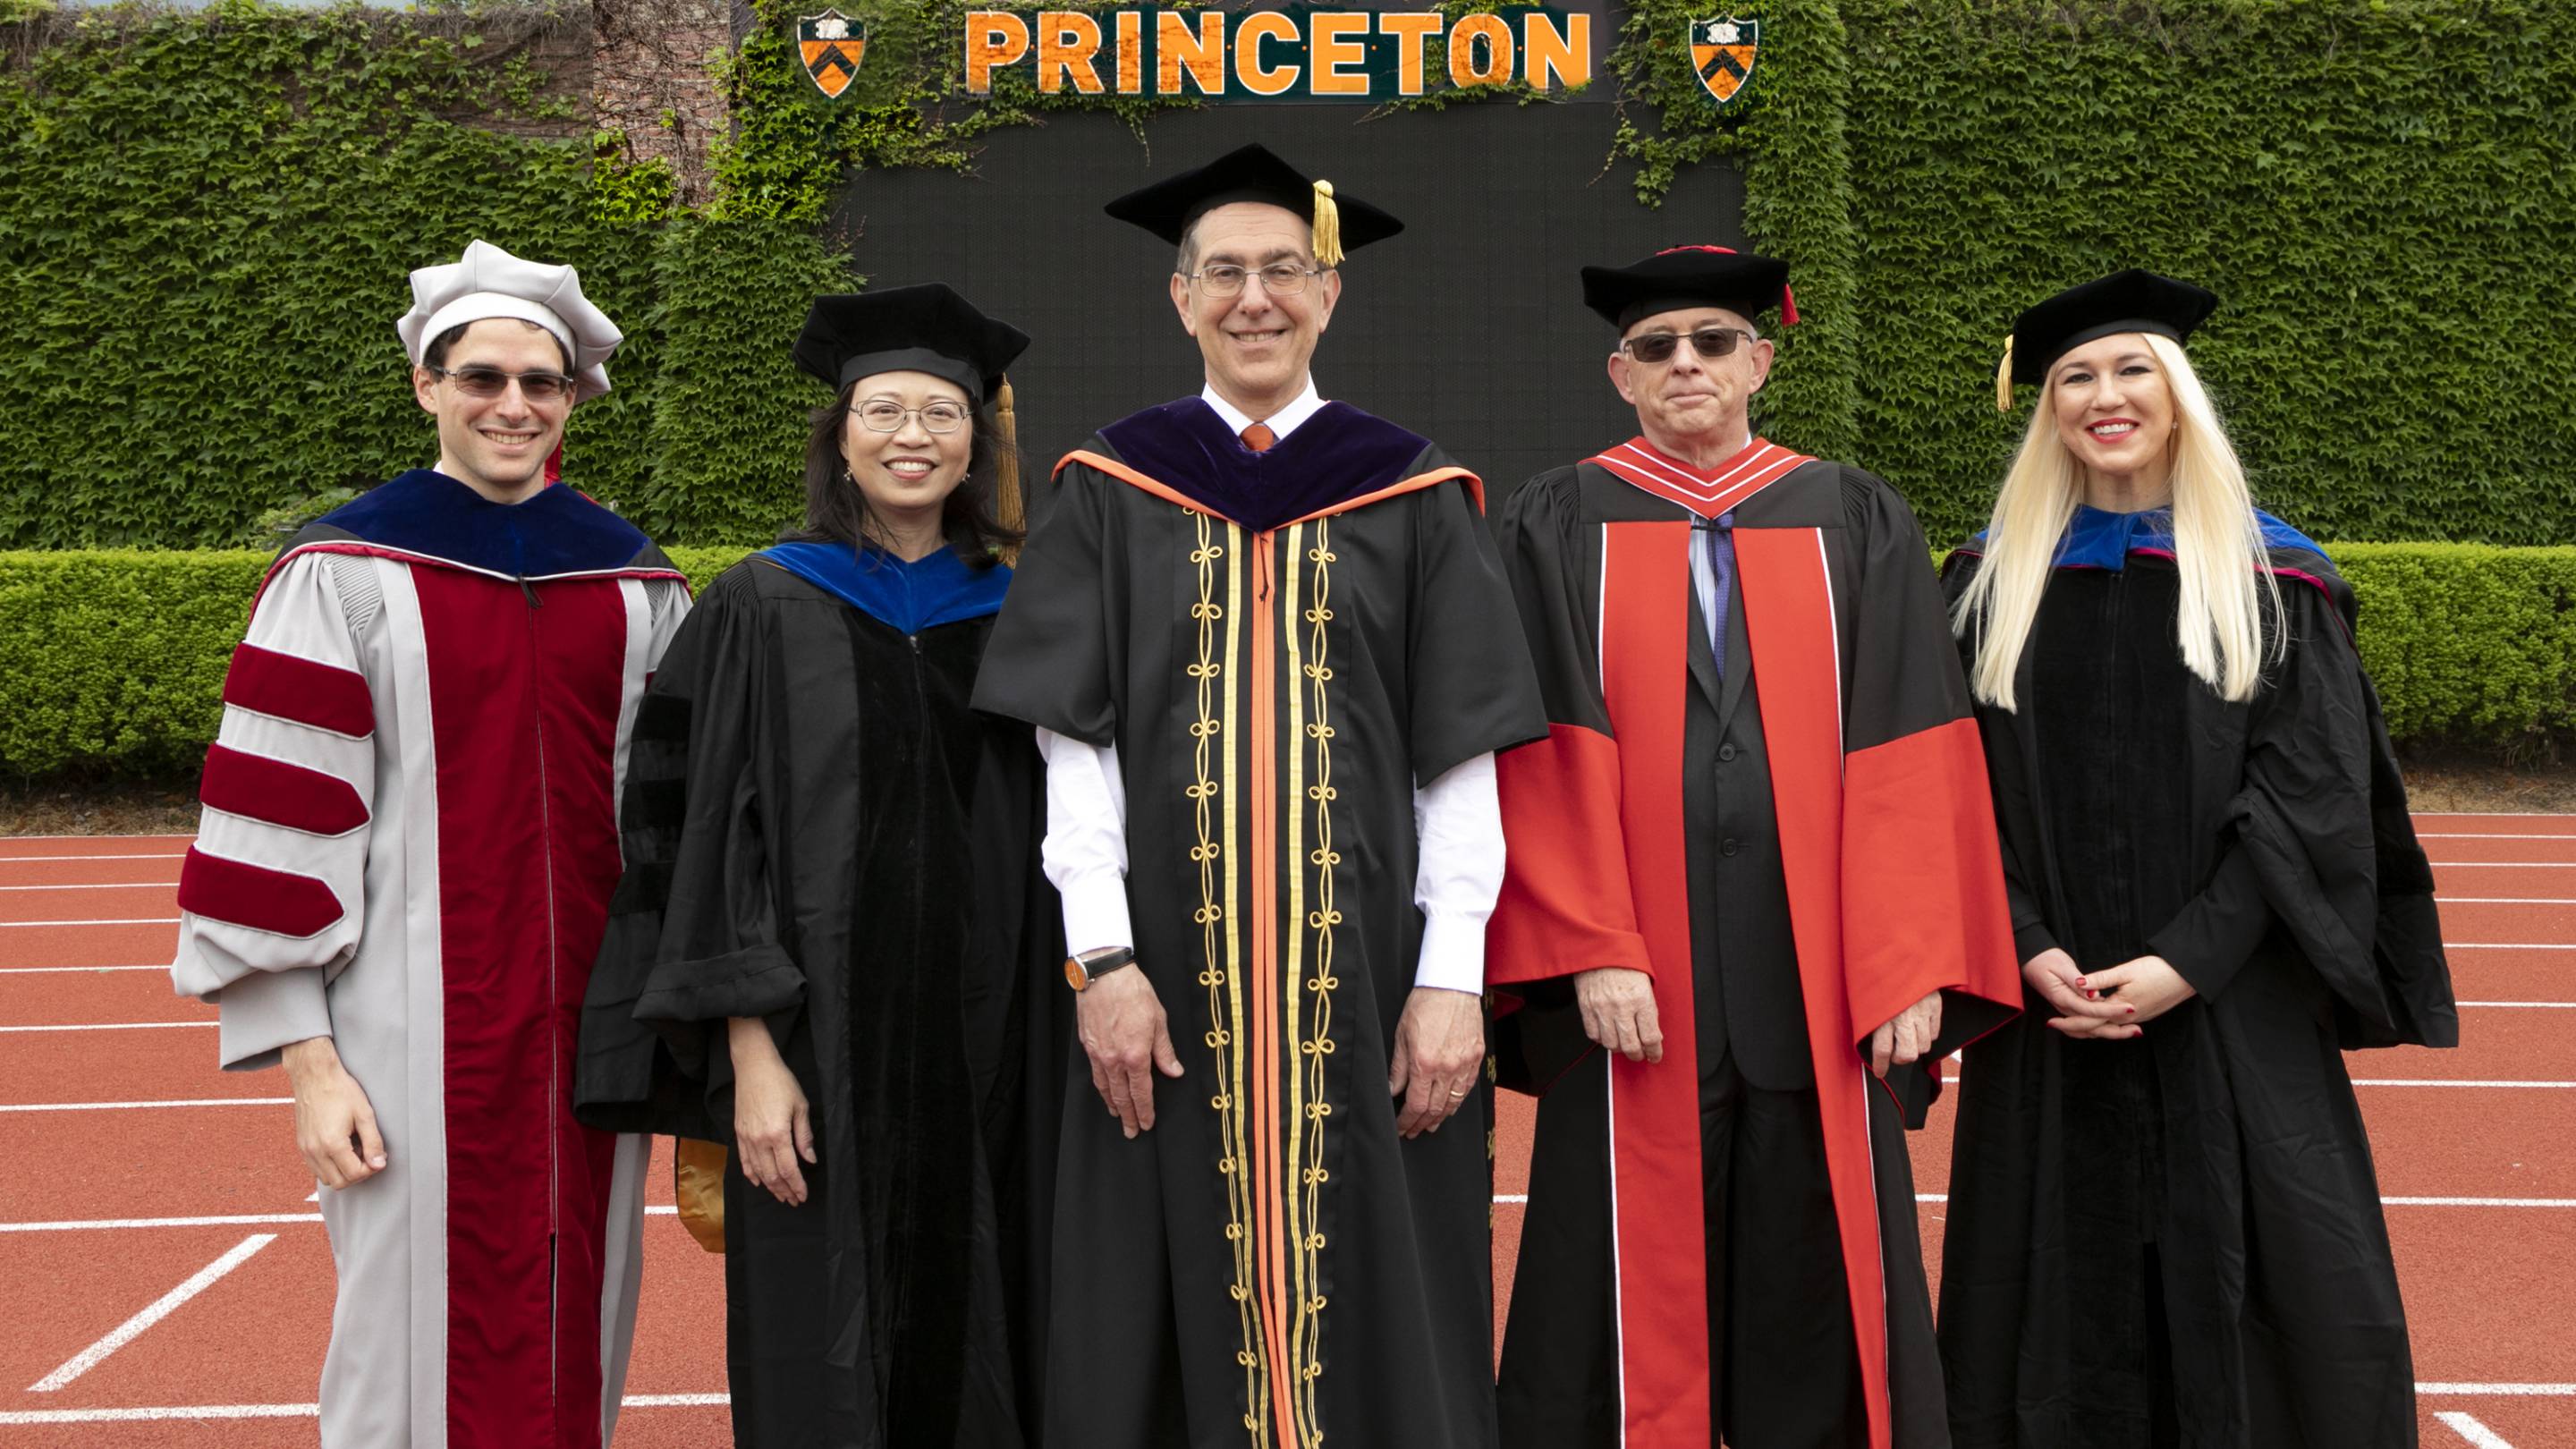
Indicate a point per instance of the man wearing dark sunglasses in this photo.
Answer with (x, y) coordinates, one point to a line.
(402, 875)
(1754, 864)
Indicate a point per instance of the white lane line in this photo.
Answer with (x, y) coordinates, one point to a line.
(287, 1411)
(2503, 864)
(2445, 1082)
(2513, 1391)
(168, 1303)
(48, 970)
(149, 1416)
(109, 1026)
(141, 1106)
(2504, 900)
(2525, 1005)
(109, 885)
(228, 1220)
(2499, 1202)
(2476, 1202)
(2418, 814)
(1953, 1078)
(2509, 945)
(2467, 1427)
(131, 921)
(2487, 835)
(145, 855)
(231, 1220)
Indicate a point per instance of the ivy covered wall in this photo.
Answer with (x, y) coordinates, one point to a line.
(206, 217)
(2383, 193)
(206, 220)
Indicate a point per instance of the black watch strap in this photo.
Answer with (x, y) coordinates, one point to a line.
(1081, 971)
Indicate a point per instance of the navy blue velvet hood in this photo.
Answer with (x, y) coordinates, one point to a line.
(555, 533)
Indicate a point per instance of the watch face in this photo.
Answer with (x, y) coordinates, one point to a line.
(1074, 975)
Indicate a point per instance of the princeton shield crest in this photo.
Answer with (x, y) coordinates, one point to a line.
(1722, 51)
(831, 45)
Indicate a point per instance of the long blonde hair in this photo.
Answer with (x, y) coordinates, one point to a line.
(2231, 604)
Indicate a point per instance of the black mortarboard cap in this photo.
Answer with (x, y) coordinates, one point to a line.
(1341, 223)
(2132, 301)
(1693, 276)
(928, 328)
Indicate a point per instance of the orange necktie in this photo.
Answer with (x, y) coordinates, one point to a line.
(1258, 437)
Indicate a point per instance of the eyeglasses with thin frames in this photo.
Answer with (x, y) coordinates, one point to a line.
(880, 415)
(1710, 343)
(486, 382)
(1279, 279)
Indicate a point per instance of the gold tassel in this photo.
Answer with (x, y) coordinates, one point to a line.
(1328, 227)
(1008, 508)
(697, 1181)
(2003, 380)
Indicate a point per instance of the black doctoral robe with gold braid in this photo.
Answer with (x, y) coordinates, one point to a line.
(1281, 646)
(1857, 872)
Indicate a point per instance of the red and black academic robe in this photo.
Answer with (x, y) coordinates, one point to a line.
(409, 842)
(1280, 645)
(1882, 840)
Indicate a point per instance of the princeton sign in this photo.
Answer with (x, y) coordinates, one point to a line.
(1293, 54)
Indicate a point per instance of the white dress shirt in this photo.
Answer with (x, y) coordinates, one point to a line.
(1457, 821)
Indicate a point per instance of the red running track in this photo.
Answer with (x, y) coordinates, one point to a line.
(116, 1210)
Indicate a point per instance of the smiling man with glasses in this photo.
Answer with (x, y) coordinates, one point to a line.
(1753, 898)
(402, 875)
(1257, 636)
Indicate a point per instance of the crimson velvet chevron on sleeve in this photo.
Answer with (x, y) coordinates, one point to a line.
(1761, 786)
(408, 843)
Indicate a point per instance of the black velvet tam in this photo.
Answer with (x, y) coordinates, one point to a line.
(1695, 276)
(2130, 301)
(928, 328)
(1252, 173)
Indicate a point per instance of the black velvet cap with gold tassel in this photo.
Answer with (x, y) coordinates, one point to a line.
(2130, 301)
(1339, 224)
(926, 328)
(1010, 508)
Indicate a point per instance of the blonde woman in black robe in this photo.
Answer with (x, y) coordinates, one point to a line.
(2164, 1224)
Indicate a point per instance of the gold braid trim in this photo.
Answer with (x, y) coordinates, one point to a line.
(1224, 1036)
(1317, 1045)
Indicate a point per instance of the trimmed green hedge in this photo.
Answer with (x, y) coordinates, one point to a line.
(2467, 643)
(113, 660)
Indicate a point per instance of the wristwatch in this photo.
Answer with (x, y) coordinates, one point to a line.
(1081, 971)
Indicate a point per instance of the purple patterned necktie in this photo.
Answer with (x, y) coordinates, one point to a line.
(1719, 542)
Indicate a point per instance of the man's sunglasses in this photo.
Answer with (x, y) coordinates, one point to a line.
(536, 387)
(1708, 342)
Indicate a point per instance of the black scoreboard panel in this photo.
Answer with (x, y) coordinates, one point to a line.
(1468, 328)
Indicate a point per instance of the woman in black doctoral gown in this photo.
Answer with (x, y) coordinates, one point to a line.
(2164, 1223)
(833, 922)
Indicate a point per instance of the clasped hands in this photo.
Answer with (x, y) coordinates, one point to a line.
(1439, 1049)
(1618, 1006)
(2111, 1005)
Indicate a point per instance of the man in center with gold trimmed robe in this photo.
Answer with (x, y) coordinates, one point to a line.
(1754, 863)
(1268, 649)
